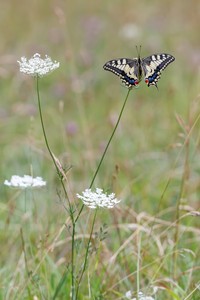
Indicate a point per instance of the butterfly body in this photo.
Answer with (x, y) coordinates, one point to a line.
(131, 71)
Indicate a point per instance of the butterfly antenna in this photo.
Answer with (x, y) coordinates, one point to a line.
(138, 50)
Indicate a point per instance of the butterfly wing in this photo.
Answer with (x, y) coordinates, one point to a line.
(129, 70)
(153, 65)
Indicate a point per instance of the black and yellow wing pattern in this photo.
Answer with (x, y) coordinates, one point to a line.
(131, 71)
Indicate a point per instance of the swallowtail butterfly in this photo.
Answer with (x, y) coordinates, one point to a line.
(131, 71)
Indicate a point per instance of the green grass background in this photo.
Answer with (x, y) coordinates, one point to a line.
(81, 103)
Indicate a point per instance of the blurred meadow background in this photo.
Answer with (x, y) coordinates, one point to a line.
(152, 164)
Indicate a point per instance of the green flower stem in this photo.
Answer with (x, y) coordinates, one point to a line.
(46, 142)
(73, 259)
(42, 123)
(105, 151)
(91, 184)
(86, 254)
(138, 260)
(63, 186)
(111, 137)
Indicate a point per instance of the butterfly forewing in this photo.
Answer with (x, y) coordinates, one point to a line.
(129, 70)
(153, 65)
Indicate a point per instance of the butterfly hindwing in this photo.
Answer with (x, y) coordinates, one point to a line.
(153, 65)
(129, 70)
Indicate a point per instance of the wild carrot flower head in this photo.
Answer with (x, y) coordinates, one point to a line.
(141, 296)
(36, 66)
(25, 182)
(98, 199)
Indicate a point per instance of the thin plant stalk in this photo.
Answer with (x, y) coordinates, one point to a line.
(105, 151)
(110, 139)
(47, 143)
(91, 184)
(25, 260)
(138, 261)
(73, 259)
(86, 254)
(64, 189)
(185, 178)
(42, 123)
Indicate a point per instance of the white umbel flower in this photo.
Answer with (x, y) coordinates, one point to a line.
(36, 66)
(24, 182)
(98, 199)
(141, 296)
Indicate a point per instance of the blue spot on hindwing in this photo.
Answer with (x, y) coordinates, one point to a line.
(128, 79)
(153, 77)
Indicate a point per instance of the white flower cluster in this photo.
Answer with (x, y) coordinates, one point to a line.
(36, 66)
(98, 199)
(25, 182)
(141, 296)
